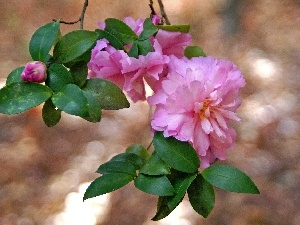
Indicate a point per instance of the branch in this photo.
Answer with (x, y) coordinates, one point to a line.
(163, 13)
(81, 18)
(152, 8)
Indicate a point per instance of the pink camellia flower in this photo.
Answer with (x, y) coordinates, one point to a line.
(34, 71)
(105, 63)
(172, 43)
(126, 72)
(147, 68)
(195, 103)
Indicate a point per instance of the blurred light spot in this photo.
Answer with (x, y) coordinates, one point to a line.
(95, 149)
(265, 68)
(77, 212)
(266, 114)
(288, 127)
(285, 102)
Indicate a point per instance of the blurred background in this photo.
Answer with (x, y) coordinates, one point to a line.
(45, 171)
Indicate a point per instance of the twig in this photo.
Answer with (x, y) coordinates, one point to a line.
(149, 145)
(152, 8)
(163, 13)
(81, 18)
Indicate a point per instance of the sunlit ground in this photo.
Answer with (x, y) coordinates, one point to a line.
(45, 171)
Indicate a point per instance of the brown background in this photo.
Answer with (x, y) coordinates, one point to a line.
(43, 171)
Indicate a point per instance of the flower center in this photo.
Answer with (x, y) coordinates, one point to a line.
(206, 109)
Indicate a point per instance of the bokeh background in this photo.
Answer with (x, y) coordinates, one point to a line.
(45, 171)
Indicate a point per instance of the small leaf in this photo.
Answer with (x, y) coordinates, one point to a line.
(94, 108)
(155, 166)
(144, 47)
(109, 95)
(134, 50)
(162, 208)
(230, 179)
(71, 100)
(73, 45)
(113, 41)
(181, 183)
(167, 204)
(58, 77)
(51, 115)
(120, 30)
(19, 97)
(202, 196)
(149, 29)
(177, 154)
(117, 167)
(132, 158)
(79, 72)
(107, 183)
(155, 185)
(193, 51)
(15, 76)
(184, 28)
(42, 41)
(138, 150)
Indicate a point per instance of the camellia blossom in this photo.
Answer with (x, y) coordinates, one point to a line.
(195, 103)
(126, 72)
(172, 43)
(130, 73)
(105, 63)
(34, 71)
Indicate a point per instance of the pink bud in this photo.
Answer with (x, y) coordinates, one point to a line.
(156, 19)
(34, 71)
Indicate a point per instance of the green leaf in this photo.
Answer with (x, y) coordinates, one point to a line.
(184, 28)
(144, 47)
(202, 196)
(177, 154)
(113, 41)
(58, 77)
(193, 51)
(79, 72)
(132, 158)
(51, 115)
(230, 179)
(94, 108)
(155, 166)
(117, 167)
(109, 95)
(155, 185)
(138, 150)
(140, 48)
(167, 204)
(149, 29)
(42, 41)
(19, 97)
(181, 183)
(162, 208)
(134, 50)
(107, 183)
(15, 76)
(120, 30)
(72, 46)
(72, 100)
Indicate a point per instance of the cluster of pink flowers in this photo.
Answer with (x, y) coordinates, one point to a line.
(194, 98)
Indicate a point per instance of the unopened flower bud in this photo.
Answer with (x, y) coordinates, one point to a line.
(156, 19)
(34, 71)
